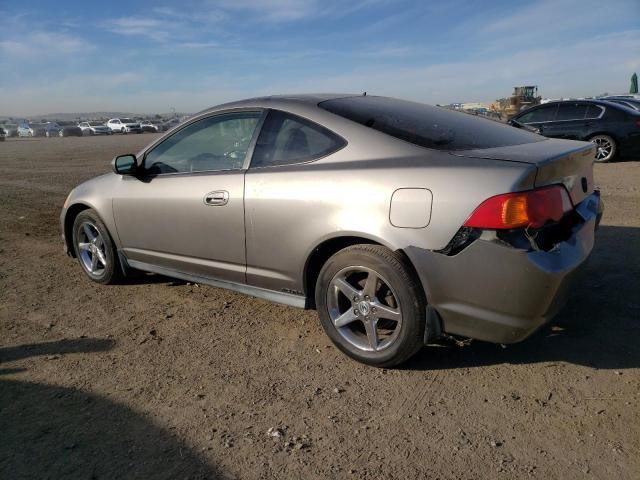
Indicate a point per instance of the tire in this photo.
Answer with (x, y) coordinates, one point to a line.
(397, 294)
(61, 133)
(86, 226)
(606, 148)
(123, 131)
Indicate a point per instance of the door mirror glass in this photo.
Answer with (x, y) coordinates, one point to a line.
(125, 164)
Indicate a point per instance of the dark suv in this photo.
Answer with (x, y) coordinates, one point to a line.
(613, 127)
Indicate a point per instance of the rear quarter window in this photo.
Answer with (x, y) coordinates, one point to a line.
(427, 126)
(594, 111)
(287, 139)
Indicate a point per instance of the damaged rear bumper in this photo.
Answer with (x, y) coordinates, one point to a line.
(494, 292)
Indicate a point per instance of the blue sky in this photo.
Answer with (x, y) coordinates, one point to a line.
(69, 56)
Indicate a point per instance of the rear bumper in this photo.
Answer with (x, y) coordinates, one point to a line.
(497, 293)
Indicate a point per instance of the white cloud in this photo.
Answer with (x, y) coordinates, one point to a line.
(565, 70)
(196, 45)
(272, 10)
(291, 10)
(43, 43)
(152, 28)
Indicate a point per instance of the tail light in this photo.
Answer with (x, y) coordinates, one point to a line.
(533, 208)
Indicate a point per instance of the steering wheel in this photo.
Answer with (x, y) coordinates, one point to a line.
(195, 163)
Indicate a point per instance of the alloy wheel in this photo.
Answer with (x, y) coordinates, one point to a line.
(364, 308)
(605, 148)
(91, 249)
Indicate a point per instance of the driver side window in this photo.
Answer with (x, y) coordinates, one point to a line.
(213, 143)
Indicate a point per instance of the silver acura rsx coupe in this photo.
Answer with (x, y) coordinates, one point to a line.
(399, 222)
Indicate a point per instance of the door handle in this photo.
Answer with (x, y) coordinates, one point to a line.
(217, 198)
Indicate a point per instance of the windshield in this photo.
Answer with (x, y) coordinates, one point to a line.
(427, 126)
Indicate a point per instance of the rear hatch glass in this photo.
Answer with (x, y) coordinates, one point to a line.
(428, 126)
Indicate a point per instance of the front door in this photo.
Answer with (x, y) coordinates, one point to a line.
(185, 210)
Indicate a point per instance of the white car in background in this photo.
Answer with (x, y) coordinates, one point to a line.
(124, 125)
(94, 128)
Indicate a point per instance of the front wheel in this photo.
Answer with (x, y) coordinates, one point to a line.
(606, 148)
(371, 305)
(95, 249)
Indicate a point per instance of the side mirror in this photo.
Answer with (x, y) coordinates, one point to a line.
(125, 164)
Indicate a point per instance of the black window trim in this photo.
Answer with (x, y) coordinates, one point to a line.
(601, 107)
(248, 156)
(306, 119)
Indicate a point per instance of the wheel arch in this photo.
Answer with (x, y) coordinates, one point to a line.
(69, 218)
(329, 247)
(600, 132)
(72, 212)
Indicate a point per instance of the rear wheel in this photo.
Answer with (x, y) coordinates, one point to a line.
(606, 148)
(371, 306)
(95, 249)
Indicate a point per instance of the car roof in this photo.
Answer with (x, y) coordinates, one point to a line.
(583, 100)
(280, 101)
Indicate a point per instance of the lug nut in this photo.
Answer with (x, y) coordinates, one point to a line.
(373, 309)
(356, 312)
(366, 297)
(355, 298)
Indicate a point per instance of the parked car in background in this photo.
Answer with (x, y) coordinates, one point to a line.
(52, 129)
(47, 129)
(124, 125)
(614, 128)
(3, 134)
(626, 96)
(397, 221)
(149, 127)
(94, 128)
(169, 124)
(25, 130)
(627, 102)
(69, 129)
(11, 129)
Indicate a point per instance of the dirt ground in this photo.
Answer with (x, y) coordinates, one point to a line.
(164, 379)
